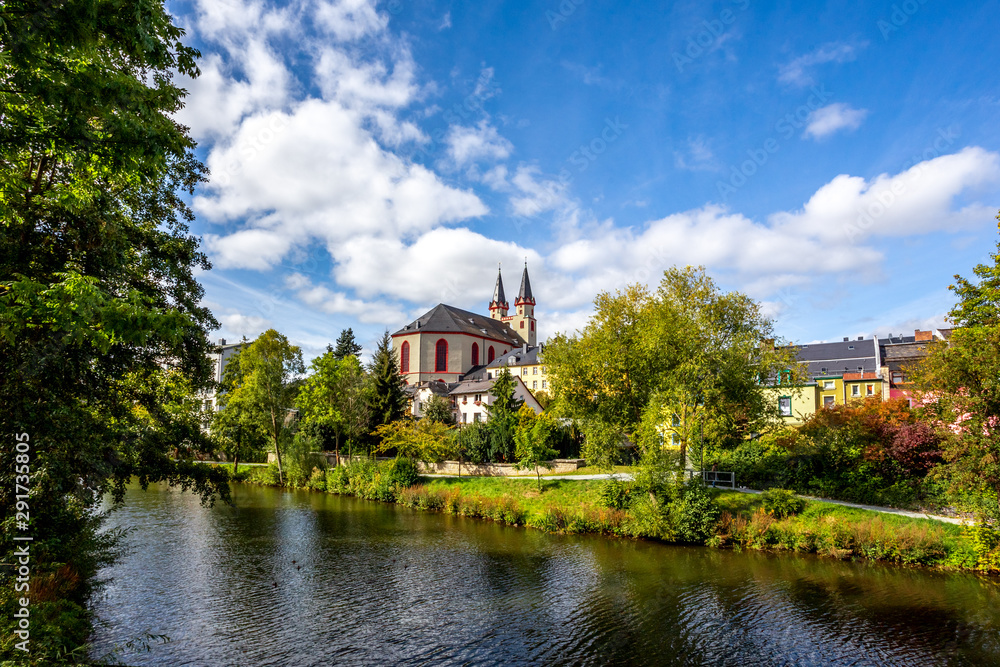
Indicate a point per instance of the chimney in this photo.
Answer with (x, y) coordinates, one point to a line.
(222, 341)
(923, 335)
(861, 337)
(846, 339)
(524, 349)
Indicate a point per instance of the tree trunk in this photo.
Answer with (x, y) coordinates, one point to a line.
(539, 475)
(236, 464)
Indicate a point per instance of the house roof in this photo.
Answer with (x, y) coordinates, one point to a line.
(837, 358)
(525, 292)
(519, 356)
(449, 319)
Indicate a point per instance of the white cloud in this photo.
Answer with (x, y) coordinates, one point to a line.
(334, 302)
(697, 156)
(472, 144)
(838, 116)
(797, 71)
(350, 20)
(236, 325)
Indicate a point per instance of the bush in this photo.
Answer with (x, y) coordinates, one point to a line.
(616, 494)
(402, 472)
(781, 503)
(693, 513)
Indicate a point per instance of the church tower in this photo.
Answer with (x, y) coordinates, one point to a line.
(499, 305)
(523, 321)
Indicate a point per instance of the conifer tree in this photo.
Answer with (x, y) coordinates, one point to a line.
(386, 399)
(346, 345)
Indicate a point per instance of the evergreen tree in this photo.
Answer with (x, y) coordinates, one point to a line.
(438, 409)
(346, 345)
(386, 399)
(503, 418)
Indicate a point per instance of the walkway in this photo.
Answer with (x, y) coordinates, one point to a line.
(874, 508)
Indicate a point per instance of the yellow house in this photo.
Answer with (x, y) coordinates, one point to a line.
(525, 362)
(796, 402)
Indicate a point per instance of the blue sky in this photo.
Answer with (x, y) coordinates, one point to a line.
(840, 163)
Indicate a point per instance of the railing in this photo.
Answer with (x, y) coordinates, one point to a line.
(715, 478)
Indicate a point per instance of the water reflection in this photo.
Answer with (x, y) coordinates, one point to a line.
(312, 579)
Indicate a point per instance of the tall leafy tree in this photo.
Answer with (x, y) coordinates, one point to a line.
(346, 345)
(239, 426)
(98, 298)
(269, 367)
(332, 400)
(959, 381)
(684, 358)
(438, 409)
(385, 390)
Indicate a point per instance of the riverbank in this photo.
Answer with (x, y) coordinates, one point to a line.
(720, 519)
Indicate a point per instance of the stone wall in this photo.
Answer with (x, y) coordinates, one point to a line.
(471, 469)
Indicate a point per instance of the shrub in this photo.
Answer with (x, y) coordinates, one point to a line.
(781, 503)
(615, 494)
(692, 514)
(402, 472)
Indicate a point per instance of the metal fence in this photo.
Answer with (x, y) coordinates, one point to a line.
(715, 478)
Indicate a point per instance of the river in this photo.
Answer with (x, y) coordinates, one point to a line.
(299, 578)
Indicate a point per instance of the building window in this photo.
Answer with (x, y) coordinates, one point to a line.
(828, 384)
(534, 370)
(532, 325)
(490, 355)
(465, 417)
(489, 376)
(476, 417)
(855, 390)
(785, 406)
(543, 370)
(475, 354)
(897, 377)
(522, 324)
(675, 421)
(524, 371)
(534, 384)
(404, 358)
(544, 384)
(441, 356)
(869, 390)
(828, 401)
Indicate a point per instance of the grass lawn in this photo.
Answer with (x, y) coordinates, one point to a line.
(591, 470)
(567, 494)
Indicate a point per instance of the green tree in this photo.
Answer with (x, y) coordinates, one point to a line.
(386, 399)
(332, 400)
(98, 297)
(438, 409)
(684, 358)
(503, 416)
(239, 425)
(346, 345)
(423, 440)
(533, 446)
(960, 388)
(269, 367)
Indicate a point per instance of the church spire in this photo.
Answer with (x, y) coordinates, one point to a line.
(524, 295)
(499, 302)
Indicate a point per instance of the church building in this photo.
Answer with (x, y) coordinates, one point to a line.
(446, 343)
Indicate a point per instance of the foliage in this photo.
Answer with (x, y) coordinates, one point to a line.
(333, 403)
(781, 503)
(688, 353)
(533, 448)
(423, 440)
(958, 380)
(438, 409)
(239, 425)
(346, 346)
(99, 305)
(616, 493)
(268, 369)
(473, 441)
(386, 399)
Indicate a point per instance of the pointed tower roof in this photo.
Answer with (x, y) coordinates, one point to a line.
(524, 295)
(499, 298)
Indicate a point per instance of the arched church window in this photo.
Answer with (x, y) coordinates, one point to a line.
(475, 354)
(522, 324)
(441, 356)
(404, 358)
(490, 355)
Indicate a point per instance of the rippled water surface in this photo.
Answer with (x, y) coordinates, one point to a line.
(314, 579)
